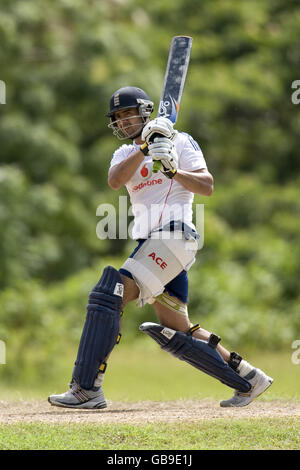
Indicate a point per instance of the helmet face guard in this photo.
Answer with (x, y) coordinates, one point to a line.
(126, 98)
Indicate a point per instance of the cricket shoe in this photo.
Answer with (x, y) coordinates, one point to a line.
(259, 383)
(78, 397)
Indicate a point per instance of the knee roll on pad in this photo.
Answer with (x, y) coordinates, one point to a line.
(198, 353)
(101, 328)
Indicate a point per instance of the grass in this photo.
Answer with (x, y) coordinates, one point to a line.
(144, 372)
(214, 435)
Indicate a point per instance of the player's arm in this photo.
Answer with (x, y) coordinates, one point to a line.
(121, 173)
(198, 181)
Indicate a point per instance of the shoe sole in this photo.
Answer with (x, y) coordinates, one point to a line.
(259, 390)
(96, 406)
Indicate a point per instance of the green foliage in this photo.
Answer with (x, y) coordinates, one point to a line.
(61, 61)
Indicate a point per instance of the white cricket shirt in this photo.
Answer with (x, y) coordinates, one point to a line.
(156, 199)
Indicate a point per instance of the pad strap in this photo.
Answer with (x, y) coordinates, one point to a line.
(235, 360)
(214, 340)
(193, 329)
(103, 367)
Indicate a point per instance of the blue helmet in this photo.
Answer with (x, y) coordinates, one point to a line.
(130, 97)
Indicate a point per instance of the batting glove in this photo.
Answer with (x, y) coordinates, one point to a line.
(161, 126)
(163, 150)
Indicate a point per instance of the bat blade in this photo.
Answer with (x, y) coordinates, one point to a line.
(177, 67)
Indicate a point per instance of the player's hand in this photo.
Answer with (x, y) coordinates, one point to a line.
(161, 126)
(163, 150)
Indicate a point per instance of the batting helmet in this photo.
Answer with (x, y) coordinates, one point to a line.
(130, 97)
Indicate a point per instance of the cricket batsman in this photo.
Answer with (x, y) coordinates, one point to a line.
(157, 270)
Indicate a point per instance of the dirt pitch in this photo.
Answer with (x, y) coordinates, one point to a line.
(143, 412)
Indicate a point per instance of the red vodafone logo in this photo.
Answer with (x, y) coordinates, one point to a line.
(144, 171)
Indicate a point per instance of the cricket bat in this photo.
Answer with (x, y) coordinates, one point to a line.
(177, 67)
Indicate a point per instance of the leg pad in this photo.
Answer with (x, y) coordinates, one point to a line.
(101, 329)
(200, 354)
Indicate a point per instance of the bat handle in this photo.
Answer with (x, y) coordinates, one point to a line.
(156, 163)
(156, 166)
